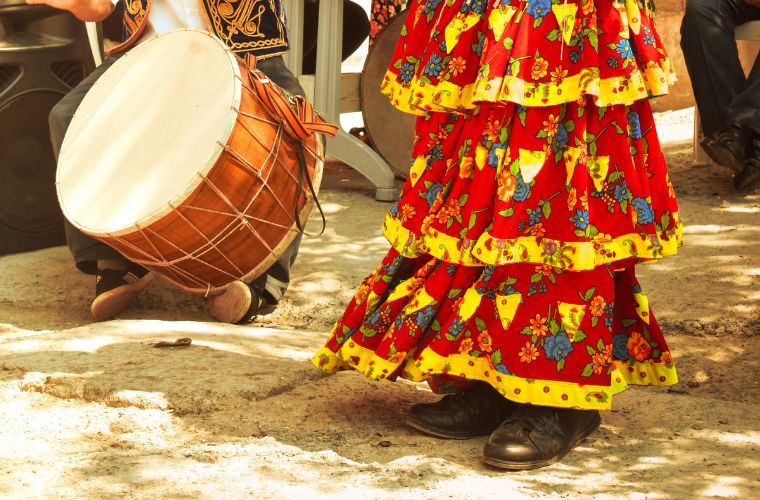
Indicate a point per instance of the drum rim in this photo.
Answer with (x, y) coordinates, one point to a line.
(202, 172)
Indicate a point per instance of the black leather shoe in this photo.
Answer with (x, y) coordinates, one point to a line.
(536, 436)
(729, 148)
(472, 413)
(749, 178)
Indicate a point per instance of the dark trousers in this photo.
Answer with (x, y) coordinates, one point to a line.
(722, 92)
(87, 251)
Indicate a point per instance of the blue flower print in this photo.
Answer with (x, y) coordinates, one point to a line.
(643, 210)
(493, 157)
(580, 218)
(635, 124)
(612, 62)
(538, 8)
(434, 67)
(430, 6)
(424, 317)
(487, 273)
(436, 153)
(620, 347)
(522, 191)
(560, 138)
(622, 193)
(394, 210)
(406, 72)
(456, 327)
(636, 288)
(575, 56)
(433, 193)
(481, 43)
(501, 368)
(474, 6)
(557, 347)
(623, 48)
(534, 217)
(648, 38)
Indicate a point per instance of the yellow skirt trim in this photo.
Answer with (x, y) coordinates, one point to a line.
(574, 256)
(540, 392)
(418, 97)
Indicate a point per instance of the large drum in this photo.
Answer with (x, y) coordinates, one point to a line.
(188, 163)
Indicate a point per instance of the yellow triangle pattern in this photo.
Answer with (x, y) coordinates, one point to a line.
(531, 163)
(634, 15)
(507, 306)
(571, 156)
(642, 306)
(571, 316)
(565, 14)
(470, 304)
(481, 156)
(498, 19)
(598, 168)
(456, 27)
(421, 299)
(418, 167)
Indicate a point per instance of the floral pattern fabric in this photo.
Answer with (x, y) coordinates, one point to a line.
(537, 184)
(383, 11)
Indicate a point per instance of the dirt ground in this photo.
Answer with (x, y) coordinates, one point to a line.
(92, 410)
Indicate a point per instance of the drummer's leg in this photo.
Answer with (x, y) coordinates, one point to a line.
(276, 279)
(119, 280)
(240, 303)
(85, 250)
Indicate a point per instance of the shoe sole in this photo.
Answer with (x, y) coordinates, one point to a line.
(109, 304)
(419, 426)
(750, 183)
(507, 465)
(231, 305)
(723, 156)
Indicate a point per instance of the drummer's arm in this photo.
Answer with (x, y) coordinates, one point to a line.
(85, 10)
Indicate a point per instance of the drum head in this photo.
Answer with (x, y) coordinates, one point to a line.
(147, 132)
(390, 131)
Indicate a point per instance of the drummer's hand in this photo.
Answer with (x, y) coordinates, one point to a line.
(85, 10)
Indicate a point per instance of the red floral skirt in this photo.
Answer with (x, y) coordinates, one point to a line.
(515, 238)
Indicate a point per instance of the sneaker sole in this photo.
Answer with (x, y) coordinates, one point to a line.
(508, 465)
(231, 305)
(418, 426)
(109, 304)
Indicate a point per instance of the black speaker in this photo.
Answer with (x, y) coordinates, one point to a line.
(44, 52)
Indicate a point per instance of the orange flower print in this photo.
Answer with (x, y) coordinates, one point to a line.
(448, 212)
(529, 353)
(465, 168)
(466, 346)
(571, 199)
(544, 269)
(538, 326)
(427, 222)
(584, 202)
(666, 358)
(597, 306)
(507, 185)
(599, 364)
(484, 341)
(638, 346)
(397, 358)
(539, 68)
(558, 74)
(537, 230)
(362, 293)
(493, 128)
(457, 66)
(587, 6)
(407, 212)
(551, 124)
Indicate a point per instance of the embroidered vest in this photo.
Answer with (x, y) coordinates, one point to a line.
(246, 26)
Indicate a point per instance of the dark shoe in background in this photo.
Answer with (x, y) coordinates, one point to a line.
(116, 289)
(748, 179)
(729, 147)
(476, 411)
(537, 436)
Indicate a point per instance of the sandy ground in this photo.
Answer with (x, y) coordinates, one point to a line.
(92, 410)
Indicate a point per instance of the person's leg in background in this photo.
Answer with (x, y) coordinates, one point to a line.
(118, 280)
(728, 102)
